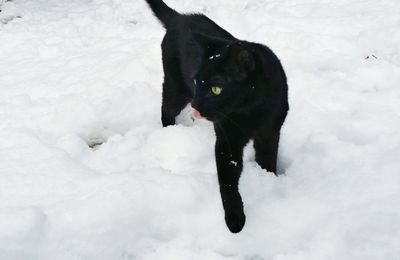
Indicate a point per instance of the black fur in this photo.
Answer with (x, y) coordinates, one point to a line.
(197, 55)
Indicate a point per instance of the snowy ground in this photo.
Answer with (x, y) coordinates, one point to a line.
(85, 71)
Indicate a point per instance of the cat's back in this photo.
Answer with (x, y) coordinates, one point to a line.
(186, 24)
(202, 24)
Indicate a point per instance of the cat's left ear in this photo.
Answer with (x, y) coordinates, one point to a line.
(243, 61)
(244, 57)
(209, 42)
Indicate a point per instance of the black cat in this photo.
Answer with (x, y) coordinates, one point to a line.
(240, 86)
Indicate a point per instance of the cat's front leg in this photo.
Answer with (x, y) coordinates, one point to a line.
(266, 147)
(228, 155)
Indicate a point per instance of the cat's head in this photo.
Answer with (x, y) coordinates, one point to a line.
(225, 81)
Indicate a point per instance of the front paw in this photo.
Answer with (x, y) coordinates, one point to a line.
(235, 220)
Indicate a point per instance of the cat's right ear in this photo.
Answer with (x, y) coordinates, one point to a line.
(209, 42)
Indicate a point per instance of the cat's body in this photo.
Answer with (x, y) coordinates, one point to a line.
(240, 86)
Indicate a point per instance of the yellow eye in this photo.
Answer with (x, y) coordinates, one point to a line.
(216, 90)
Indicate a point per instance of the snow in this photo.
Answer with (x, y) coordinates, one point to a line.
(79, 73)
(214, 56)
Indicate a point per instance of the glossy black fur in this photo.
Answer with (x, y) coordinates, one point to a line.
(197, 55)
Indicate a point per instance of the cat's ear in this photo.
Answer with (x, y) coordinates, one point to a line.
(244, 61)
(244, 57)
(209, 42)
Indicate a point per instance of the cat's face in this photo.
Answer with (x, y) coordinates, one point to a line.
(224, 82)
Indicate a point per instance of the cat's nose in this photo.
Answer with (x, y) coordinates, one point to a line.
(196, 114)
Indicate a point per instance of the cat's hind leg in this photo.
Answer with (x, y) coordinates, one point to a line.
(174, 96)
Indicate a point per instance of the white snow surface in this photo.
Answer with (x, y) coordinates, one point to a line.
(80, 72)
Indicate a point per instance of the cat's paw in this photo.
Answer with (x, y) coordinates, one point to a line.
(235, 221)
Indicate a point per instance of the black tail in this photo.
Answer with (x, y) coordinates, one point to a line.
(162, 11)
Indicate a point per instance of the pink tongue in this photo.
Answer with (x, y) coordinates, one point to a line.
(196, 114)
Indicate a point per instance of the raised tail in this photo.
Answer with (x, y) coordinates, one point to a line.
(162, 11)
